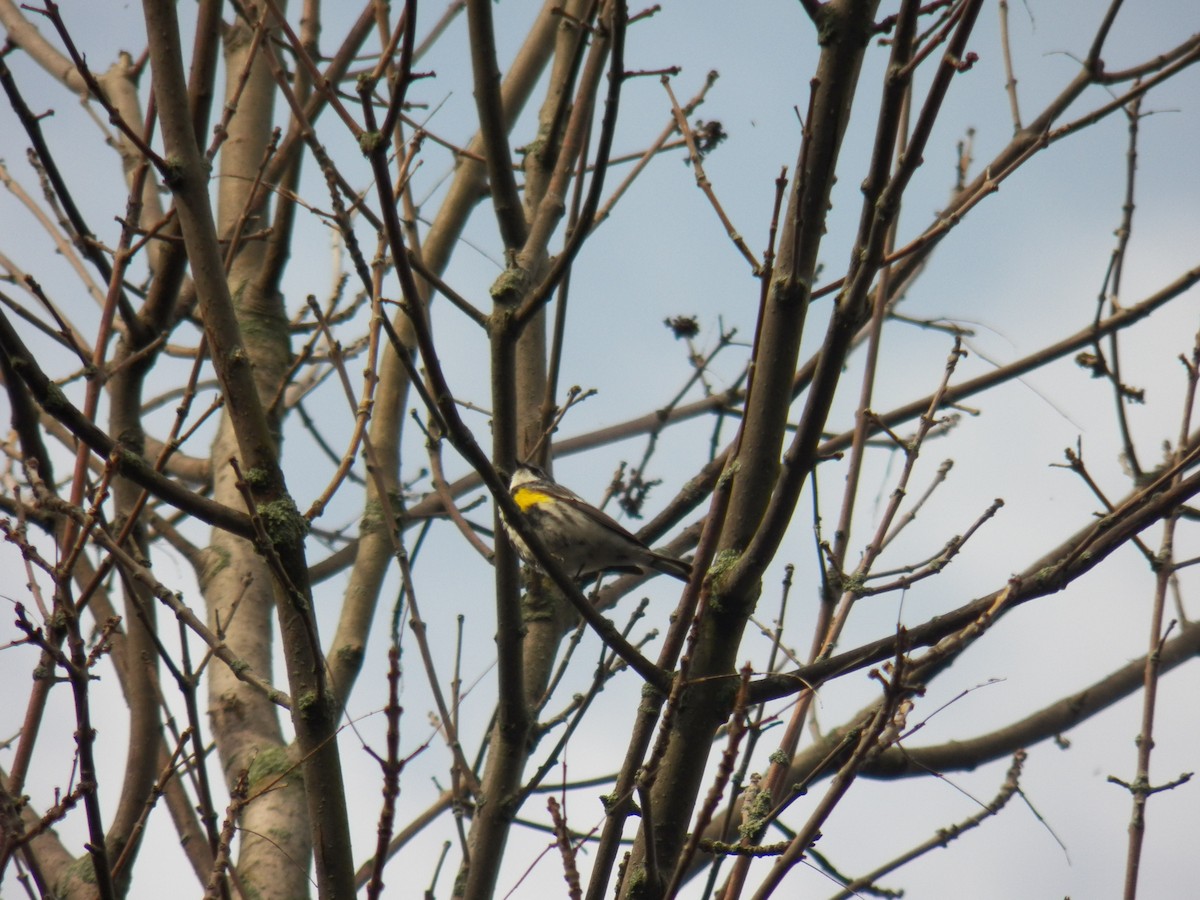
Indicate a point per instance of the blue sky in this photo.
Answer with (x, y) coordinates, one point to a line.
(1024, 269)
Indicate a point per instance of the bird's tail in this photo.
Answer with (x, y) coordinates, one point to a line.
(676, 568)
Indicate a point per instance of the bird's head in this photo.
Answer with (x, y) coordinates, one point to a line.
(525, 473)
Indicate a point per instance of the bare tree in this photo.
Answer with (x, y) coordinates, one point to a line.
(160, 357)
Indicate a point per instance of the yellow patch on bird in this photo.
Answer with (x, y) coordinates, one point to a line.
(527, 497)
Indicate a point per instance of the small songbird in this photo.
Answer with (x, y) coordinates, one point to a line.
(582, 538)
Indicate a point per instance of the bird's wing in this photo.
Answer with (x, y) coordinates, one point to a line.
(598, 515)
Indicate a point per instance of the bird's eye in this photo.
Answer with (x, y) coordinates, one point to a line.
(536, 470)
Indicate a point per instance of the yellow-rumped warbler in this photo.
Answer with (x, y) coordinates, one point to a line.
(582, 538)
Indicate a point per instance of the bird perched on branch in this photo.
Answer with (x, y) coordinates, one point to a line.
(582, 538)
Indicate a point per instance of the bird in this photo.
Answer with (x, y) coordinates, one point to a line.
(585, 540)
